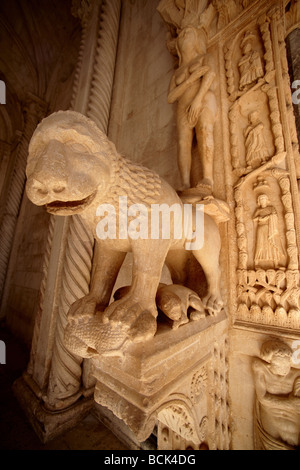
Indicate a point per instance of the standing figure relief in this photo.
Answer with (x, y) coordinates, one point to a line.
(268, 251)
(191, 87)
(250, 65)
(256, 149)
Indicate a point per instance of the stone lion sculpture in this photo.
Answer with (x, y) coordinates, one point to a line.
(73, 168)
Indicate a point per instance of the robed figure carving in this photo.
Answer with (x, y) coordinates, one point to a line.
(268, 251)
(256, 149)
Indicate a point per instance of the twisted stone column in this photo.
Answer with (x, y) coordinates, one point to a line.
(65, 375)
(65, 379)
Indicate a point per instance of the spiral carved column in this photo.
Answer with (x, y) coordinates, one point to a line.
(65, 374)
(65, 379)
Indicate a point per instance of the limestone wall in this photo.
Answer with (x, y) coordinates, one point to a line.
(142, 122)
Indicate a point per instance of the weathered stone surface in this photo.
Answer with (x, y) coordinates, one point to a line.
(211, 117)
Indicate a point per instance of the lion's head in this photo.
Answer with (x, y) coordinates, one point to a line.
(70, 161)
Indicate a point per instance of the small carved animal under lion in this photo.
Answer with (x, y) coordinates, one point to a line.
(73, 168)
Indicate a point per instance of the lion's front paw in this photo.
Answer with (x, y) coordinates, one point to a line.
(82, 310)
(213, 304)
(138, 317)
(143, 328)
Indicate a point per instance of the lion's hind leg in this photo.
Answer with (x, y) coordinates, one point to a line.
(208, 257)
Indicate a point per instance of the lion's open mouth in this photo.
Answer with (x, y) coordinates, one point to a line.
(69, 206)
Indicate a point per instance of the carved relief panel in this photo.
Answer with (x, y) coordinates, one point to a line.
(245, 66)
(277, 398)
(263, 170)
(198, 417)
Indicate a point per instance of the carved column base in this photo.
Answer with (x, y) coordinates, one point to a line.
(175, 383)
(48, 424)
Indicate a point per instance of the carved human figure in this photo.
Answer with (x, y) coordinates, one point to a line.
(277, 406)
(268, 251)
(250, 65)
(256, 149)
(192, 87)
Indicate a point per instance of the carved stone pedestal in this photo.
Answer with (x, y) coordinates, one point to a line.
(46, 423)
(175, 383)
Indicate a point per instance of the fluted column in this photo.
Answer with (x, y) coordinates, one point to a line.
(34, 110)
(102, 81)
(5, 151)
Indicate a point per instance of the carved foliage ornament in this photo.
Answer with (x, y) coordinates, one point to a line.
(180, 420)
